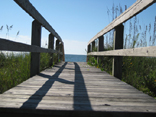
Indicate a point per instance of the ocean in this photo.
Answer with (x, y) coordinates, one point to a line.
(75, 58)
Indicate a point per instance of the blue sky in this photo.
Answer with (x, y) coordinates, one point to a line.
(76, 21)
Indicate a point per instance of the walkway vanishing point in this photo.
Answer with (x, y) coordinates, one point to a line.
(75, 89)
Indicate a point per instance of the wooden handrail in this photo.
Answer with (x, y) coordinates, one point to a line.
(16, 46)
(30, 9)
(35, 47)
(139, 52)
(136, 8)
(118, 27)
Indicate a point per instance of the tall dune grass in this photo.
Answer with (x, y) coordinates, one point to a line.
(15, 68)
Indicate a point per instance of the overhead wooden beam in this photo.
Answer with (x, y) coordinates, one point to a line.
(7, 45)
(31, 10)
(140, 52)
(136, 8)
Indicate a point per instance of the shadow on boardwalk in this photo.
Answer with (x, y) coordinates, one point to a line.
(80, 91)
(81, 98)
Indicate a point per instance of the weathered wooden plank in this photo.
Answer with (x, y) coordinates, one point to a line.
(79, 113)
(80, 90)
(59, 89)
(82, 102)
(78, 94)
(61, 81)
(105, 95)
(113, 99)
(16, 46)
(71, 86)
(30, 9)
(87, 81)
(103, 107)
(91, 89)
(140, 52)
(136, 8)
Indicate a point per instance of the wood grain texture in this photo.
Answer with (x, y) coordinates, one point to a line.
(140, 52)
(8, 45)
(51, 46)
(88, 48)
(31, 10)
(118, 44)
(136, 8)
(35, 40)
(68, 88)
(57, 47)
(93, 46)
(63, 57)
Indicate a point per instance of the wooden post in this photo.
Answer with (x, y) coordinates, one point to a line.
(118, 44)
(88, 50)
(93, 46)
(63, 52)
(57, 48)
(35, 40)
(100, 46)
(51, 46)
(61, 56)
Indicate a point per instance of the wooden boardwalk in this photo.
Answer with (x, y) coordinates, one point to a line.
(75, 89)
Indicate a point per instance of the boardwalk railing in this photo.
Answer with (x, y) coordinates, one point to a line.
(118, 27)
(35, 47)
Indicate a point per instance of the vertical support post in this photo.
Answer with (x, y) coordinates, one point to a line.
(63, 58)
(93, 46)
(57, 48)
(88, 50)
(51, 46)
(100, 46)
(118, 44)
(35, 40)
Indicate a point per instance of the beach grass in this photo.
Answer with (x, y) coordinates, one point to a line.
(15, 68)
